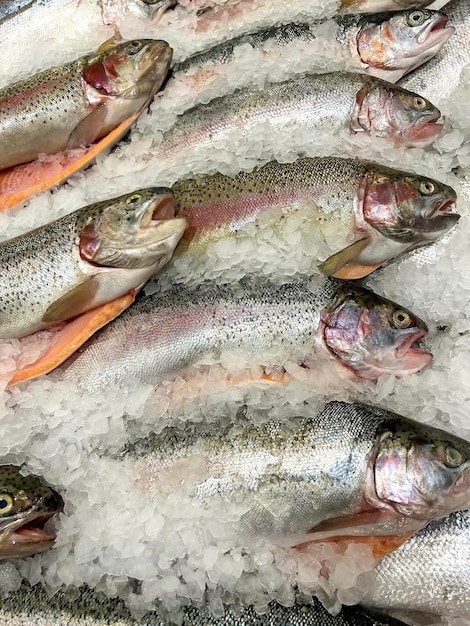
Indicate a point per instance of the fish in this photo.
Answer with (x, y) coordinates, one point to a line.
(85, 607)
(165, 333)
(429, 574)
(385, 45)
(299, 109)
(84, 106)
(349, 472)
(442, 75)
(29, 28)
(84, 268)
(367, 213)
(26, 504)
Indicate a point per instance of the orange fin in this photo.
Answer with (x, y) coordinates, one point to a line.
(19, 183)
(354, 272)
(381, 544)
(247, 378)
(72, 336)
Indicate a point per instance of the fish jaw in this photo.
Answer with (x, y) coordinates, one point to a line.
(395, 47)
(27, 538)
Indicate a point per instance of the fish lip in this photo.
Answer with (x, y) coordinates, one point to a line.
(407, 345)
(156, 213)
(30, 529)
(436, 31)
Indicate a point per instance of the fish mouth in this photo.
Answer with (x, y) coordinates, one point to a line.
(27, 536)
(424, 132)
(160, 209)
(413, 356)
(437, 32)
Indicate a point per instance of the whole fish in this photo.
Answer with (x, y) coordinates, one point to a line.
(26, 504)
(385, 45)
(29, 28)
(338, 328)
(84, 607)
(429, 573)
(301, 109)
(94, 259)
(366, 213)
(349, 471)
(440, 77)
(92, 100)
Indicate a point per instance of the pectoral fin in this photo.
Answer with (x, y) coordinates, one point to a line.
(72, 336)
(88, 130)
(72, 303)
(345, 259)
(19, 183)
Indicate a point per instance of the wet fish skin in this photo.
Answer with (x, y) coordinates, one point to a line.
(304, 106)
(350, 471)
(395, 210)
(429, 573)
(84, 607)
(84, 259)
(441, 75)
(73, 105)
(386, 45)
(24, 500)
(178, 327)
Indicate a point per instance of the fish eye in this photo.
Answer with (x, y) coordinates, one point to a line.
(427, 187)
(134, 199)
(134, 46)
(453, 457)
(419, 103)
(415, 18)
(6, 503)
(401, 319)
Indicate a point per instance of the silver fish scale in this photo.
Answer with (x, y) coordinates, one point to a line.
(440, 555)
(30, 108)
(292, 474)
(31, 606)
(162, 334)
(438, 78)
(309, 103)
(36, 268)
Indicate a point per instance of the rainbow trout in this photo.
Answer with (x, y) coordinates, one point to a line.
(84, 607)
(162, 335)
(366, 214)
(299, 111)
(92, 100)
(349, 471)
(26, 504)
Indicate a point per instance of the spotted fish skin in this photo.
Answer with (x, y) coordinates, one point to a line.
(28, 605)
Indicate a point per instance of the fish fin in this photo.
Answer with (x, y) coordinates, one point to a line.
(71, 304)
(109, 43)
(344, 257)
(88, 129)
(19, 183)
(247, 378)
(72, 336)
(381, 544)
(356, 271)
(365, 518)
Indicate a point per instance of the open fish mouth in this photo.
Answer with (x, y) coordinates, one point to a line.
(437, 32)
(32, 530)
(409, 347)
(158, 211)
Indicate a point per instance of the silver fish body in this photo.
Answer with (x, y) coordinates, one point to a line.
(85, 259)
(300, 108)
(383, 211)
(164, 334)
(441, 75)
(74, 105)
(387, 45)
(429, 574)
(84, 607)
(349, 471)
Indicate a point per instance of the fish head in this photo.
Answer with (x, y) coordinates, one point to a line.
(132, 70)
(421, 471)
(399, 42)
(410, 210)
(26, 504)
(385, 110)
(372, 335)
(133, 231)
